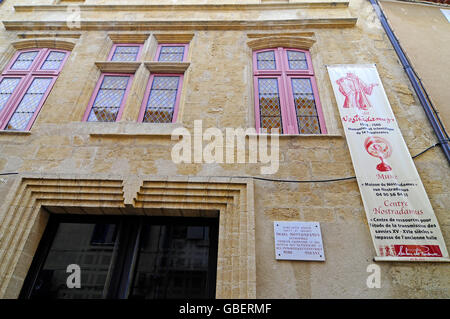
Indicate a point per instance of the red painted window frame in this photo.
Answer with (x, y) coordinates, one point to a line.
(160, 45)
(114, 47)
(96, 90)
(147, 95)
(284, 74)
(27, 76)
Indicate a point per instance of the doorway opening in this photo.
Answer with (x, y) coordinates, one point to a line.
(126, 257)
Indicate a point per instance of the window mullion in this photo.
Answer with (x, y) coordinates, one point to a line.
(286, 103)
(121, 278)
(38, 60)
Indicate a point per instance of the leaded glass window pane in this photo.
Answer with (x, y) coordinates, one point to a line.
(125, 53)
(24, 60)
(269, 104)
(53, 60)
(297, 60)
(29, 104)
(266, 60)
(109, 99)
(305, 106)
(7, 87)
(171, 54)
(162, 99)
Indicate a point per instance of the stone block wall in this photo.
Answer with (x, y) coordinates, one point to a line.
(218, 89)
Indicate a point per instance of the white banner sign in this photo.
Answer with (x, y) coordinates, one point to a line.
(401, 220)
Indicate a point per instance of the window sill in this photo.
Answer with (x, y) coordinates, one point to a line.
(135, 135)
(24, 133)
(132, 130)
(300, 135)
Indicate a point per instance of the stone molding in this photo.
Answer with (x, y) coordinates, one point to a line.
(167, 67)
(188, 7)
(183, 25)
(49, 42)
(117, 67)
(29, 35)
(25, 217)
(173, 37)
(281, 34)
(281, 41)
(128, 37)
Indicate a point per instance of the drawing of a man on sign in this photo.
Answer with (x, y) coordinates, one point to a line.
(355, 91)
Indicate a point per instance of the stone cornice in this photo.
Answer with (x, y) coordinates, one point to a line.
(167, 67)
(193, 7)
(173, 37)
(183, 25)
(74, 35)
(118, 67)
(128, 37)
(280, 34)
(51, 43)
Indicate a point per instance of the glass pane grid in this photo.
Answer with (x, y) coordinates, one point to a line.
(29, 104)
(171, 54)
(269, 104)
(266, 60)
(297, 60)
(125, 53)
(24, 60)
(305, 105)
(108, 100)
(7, 87)
(162, 99)
(53, 61)
(308, 125)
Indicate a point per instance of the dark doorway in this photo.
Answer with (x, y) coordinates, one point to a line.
(125, 257)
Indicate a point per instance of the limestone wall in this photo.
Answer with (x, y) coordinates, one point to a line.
(218, 89)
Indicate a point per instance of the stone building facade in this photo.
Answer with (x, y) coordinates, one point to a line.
(69, 165)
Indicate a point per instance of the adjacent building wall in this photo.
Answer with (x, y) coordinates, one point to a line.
(424, 34)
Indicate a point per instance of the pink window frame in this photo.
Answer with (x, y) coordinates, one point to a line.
(160, 45)
(32, 67)
(97, 88)
(11, 112)
(113, 49)
(27, 77)
(284, 74)
(147, 95)
(14, 96)
(283, 109)
(53, 72)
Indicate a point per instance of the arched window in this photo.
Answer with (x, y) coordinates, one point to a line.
(25, 84)
(286, 94)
